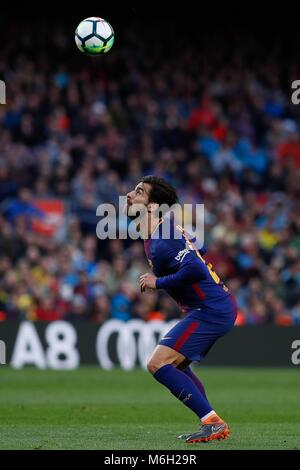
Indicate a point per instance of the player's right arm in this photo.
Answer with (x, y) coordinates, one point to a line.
(175, 256)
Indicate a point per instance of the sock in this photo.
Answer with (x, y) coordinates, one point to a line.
(211, 418)
(184, 389)
(188, 371)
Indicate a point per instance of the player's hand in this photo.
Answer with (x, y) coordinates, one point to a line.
(147, 280)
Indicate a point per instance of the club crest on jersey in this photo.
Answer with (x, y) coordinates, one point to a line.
(150, 263)
(182, 254)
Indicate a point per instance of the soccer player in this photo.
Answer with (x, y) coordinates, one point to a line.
(209, 308)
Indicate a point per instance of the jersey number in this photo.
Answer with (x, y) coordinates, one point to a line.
(209, 265)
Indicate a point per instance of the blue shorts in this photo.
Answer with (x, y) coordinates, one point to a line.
(193, 337)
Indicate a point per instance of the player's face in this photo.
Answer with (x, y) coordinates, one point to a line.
(137, 197)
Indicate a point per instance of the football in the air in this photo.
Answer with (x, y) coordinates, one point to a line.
(94, 36)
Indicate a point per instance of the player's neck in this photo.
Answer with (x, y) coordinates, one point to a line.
(150, 226)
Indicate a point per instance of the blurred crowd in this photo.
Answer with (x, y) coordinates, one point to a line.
(213, 117)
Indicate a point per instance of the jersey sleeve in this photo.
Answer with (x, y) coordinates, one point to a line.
(183, 262)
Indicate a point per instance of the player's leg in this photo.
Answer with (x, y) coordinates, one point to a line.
(212, 426)
(211, 419)
(188, 371)
(189, 340)
(163, 365)
(185, 367)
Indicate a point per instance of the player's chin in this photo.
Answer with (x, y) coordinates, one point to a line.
(131, 211)
(127, 210)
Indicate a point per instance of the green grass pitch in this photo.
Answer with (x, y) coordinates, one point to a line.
(94, 409)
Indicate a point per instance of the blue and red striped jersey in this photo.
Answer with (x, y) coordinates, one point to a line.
(185, 275)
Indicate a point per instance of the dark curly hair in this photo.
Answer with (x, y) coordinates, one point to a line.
(161, 191)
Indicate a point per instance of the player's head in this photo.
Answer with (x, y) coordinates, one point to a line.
(151, 192)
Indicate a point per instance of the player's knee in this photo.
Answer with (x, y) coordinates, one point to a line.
(153, 365)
